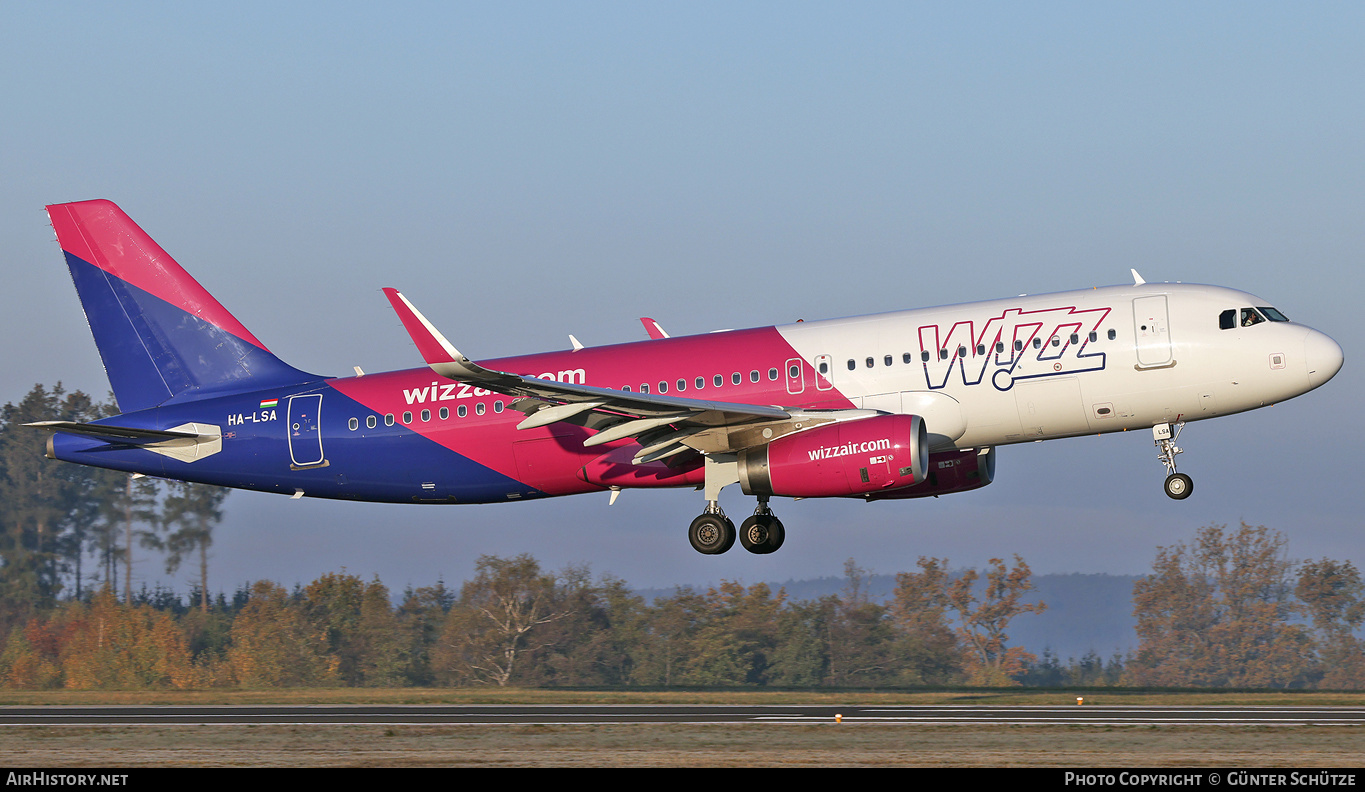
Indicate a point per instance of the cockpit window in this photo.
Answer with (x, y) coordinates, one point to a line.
(1227, 319)
(1251, 317)
(1273, 315)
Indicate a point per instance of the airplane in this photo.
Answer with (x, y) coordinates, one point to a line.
(897, 405)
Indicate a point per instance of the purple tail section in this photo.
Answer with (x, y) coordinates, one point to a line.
(160, 334)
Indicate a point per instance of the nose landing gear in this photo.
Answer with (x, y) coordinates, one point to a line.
(1178, 486)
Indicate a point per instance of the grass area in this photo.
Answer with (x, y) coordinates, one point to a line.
(672, 745)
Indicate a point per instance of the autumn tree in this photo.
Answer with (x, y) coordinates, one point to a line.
(860, 638)
(735, 636)
(592, 643)
(489, 629)
(274, 644)
(925, 637)
(982, 623)
(1333, 598)
(1217, 612)
(674, 622)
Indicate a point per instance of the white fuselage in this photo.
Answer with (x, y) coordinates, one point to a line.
(1054, 365)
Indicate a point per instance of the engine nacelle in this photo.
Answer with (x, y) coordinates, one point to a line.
(868, 455)
(948, 472)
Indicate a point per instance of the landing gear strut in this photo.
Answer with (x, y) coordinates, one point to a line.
(1178, 485)
(762, 533)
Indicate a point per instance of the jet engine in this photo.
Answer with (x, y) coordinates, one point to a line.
(868, 455)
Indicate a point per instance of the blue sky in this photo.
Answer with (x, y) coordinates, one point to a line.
(528, 170)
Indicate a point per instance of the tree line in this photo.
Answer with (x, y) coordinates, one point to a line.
(515, 624)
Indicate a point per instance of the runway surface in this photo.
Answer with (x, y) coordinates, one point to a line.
(698, 714)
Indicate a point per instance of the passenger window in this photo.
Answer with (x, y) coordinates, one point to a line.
(462, 411)
(794, 371)
(407, 417)
(886, 360)
(663, 387)
(999, 347)
(478, 408)
(772, 374)
(1075, 338)
(980, 349)
(1094, 336)
(753, 375)
(735, 378)
(426, 416)
(388, 419)
(870, 362)
(1018, 345)
(1113, 334)
(1056, 341)
(682, 385)
(718, 380)
(905, 358)
(371, 422)
(824, 367)
(1227, 319)
(851, 364)
(943, 354)
(700, 382)
(1037, 343)
(354, 423)
(625, 388)
(924, 356)
(644, 388)
(497, 406)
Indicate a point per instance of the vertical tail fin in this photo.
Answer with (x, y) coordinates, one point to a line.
(159, 333)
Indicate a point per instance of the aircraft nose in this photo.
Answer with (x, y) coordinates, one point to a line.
(1323, 356)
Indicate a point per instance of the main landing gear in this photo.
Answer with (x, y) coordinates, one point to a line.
(713, 533)
(1178, 485)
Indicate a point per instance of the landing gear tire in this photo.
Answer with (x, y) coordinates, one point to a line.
(762, 534)
(711, 534)
(1179, 486)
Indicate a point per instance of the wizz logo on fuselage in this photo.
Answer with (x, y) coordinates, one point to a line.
(438, 391)
(1006, 342)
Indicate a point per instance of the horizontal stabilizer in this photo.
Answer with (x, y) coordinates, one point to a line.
(186, 442)
(124, 434)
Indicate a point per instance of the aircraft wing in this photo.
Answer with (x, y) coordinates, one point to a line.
(663, 425)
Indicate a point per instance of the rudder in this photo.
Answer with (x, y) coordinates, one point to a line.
(160, 334)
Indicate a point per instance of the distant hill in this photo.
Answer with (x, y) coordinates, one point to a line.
(1084, 612)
